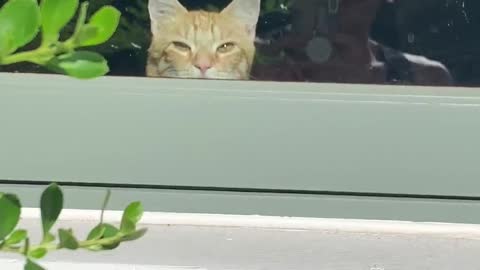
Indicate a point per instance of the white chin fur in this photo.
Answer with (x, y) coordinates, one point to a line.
(213, 74)
(196, 74)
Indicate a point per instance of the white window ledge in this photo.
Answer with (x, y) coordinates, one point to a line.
(198, 241)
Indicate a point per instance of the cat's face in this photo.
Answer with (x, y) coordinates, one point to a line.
(200, 44)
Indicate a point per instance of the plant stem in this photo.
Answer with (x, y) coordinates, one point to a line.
(26, 247)
(12, 249)
(103, 241)
(28, 56)
(82, 17)
(39, 56)
(104, 206)
(52, 246)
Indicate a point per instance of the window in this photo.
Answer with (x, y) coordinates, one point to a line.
(431, 42)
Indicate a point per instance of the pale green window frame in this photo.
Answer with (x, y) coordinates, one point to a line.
(270, 148)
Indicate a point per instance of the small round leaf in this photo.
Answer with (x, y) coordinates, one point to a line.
(9, 214)
(19, 21)
(133, 212)
(95, 248)
(31, 265)
(67, 240)
(51, 205)
(6, 43)
(87, 32)
(110, 231)
(16, 237)
(127, 226)
(55, 15)
(105, 20)
(97, 232)
(80, 64)
(38, 253)
(135, 235)
(48, 238)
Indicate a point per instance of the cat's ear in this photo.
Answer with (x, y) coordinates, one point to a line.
(163, 11)
(246, 12)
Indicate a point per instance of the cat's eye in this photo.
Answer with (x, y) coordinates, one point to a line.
(226, 47)
(182, 46)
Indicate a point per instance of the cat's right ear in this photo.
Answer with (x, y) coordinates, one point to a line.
(246, 12)
(163, 11)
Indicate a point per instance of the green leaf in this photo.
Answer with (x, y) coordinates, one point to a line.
(6, 43)
(87, 32)
(110, 246)
(51, 205)
(55, 15)
(133, 212)
(67, 240)
(110, 231)
(9, 213)
(20, 21)
(97, 232)
(81, 64)
(48, 238)
(127, 226)
(95, 248)
(105, 21)
(38, 253)
(105, 203)
(131, 215)
(16, 237)
(135, 235)
(31, 265)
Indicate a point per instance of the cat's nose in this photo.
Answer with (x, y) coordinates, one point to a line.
(203, 65)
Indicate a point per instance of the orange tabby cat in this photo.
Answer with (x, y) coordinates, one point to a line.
(201, 44)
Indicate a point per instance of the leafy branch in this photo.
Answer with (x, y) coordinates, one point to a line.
(22, 20)
(103, 236)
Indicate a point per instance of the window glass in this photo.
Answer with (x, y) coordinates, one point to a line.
(411, 42)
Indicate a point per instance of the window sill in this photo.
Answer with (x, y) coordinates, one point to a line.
(197, 241)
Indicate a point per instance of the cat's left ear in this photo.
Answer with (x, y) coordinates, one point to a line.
(247, 12)
(164, 11)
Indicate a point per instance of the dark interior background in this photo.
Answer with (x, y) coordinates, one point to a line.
(443, 30)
